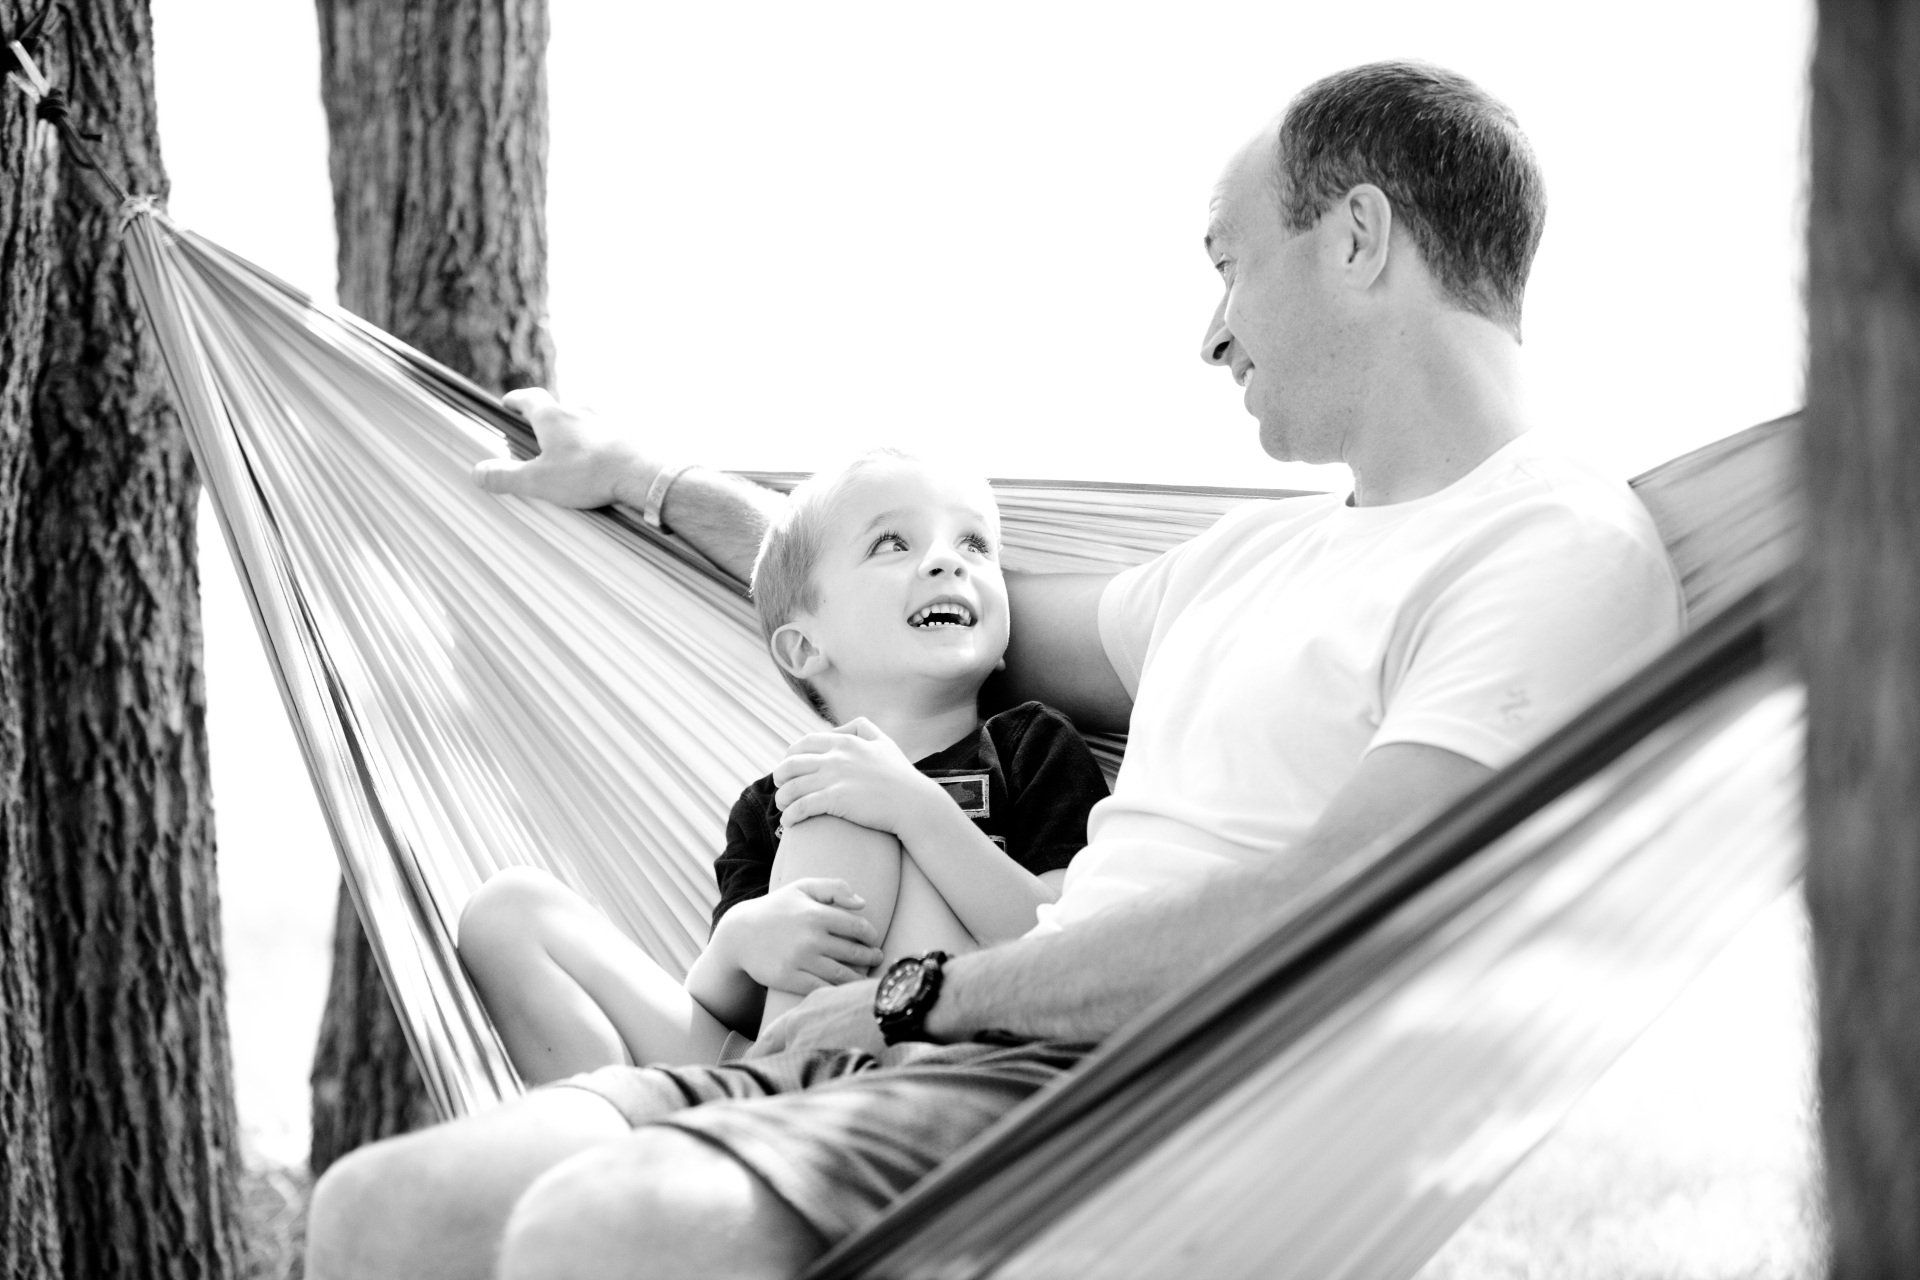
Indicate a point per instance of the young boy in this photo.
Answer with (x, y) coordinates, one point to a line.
(881, 596)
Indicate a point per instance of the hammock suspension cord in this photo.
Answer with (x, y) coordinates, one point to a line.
(50, 105)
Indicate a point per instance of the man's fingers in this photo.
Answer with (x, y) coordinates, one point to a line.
(527, 400)
(497, 475)
(831, 973)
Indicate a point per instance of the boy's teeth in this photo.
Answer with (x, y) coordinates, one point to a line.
(942, 615)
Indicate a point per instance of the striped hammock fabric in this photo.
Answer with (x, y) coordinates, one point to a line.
(478, 682)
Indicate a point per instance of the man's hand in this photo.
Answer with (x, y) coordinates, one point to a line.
(853, 772)
(801, 937)
(584, 461)
(832, 1018)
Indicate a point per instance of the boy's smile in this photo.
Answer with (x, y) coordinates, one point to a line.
(910, 603)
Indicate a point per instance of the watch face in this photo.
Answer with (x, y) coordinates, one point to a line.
(897, 987)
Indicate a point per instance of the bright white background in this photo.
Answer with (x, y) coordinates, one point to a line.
(778, 230)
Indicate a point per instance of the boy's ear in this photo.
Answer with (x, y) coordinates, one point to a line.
(795, 652)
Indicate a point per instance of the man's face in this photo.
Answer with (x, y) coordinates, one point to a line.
(908, 583)
(1275, 327)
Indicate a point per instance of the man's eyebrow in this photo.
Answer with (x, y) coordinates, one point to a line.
(1217, 230)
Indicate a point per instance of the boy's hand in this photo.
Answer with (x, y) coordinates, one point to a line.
(584, 461)
(853, 772)
(803, 936)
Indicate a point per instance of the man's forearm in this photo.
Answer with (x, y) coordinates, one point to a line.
(1083, 982)
(722, 515)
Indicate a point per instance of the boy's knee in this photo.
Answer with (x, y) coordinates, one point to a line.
(501, 909)
(685, 1207)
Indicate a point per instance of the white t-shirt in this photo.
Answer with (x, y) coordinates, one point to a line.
(1272, 652)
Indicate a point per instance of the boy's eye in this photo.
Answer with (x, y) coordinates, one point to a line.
(976, 542)
(888, 542)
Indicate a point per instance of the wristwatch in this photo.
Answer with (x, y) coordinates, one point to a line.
(906, 994)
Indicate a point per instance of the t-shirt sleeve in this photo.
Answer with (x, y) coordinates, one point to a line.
(1132, 602)
(745, 867)
(1053, 779)
(1525, 635)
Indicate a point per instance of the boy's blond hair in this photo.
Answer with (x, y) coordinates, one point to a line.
(783, 582)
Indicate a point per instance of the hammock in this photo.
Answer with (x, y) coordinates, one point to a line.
(477, 682)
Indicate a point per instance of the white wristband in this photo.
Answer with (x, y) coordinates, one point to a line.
(656, 498)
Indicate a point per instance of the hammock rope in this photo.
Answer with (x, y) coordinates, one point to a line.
(478, 682)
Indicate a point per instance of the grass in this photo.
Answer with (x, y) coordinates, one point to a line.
(273, 1208)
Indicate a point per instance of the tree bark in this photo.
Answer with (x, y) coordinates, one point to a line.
(29, 1208)
(103, 643)
(1861, 629)
(437, 114)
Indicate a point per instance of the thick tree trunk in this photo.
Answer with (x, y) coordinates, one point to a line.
(29, 1205)
(104, 643)
(1862, 626)
(437, 111)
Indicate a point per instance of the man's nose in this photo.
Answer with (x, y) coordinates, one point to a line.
(1217, 345)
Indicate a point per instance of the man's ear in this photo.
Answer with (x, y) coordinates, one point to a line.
(795, 652)
(1367, 217)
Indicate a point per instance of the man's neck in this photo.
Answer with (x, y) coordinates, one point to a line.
(919, 724)
(1452, 400)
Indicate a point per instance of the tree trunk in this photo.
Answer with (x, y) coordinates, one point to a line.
(437, 113)
(1861, 632)
(104, 644)
(29, 1207)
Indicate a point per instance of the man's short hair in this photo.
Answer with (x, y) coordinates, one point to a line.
(1451, 159)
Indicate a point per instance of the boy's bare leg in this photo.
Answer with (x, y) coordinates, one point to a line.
(922, 920)
(567, 991)
(835, 849)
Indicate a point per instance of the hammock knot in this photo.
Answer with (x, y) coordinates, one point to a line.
(139, 207)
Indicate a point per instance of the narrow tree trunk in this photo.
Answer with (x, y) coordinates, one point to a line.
(29, 1205)
(1862, 626)
(115, 747)
(438, 120)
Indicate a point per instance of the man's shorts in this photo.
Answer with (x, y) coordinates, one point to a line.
(838, 1135)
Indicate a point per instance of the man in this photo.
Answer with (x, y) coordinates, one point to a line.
(1304, 682)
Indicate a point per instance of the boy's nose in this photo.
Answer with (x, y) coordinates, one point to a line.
(944, 561)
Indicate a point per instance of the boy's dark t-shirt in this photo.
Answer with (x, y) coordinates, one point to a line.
(1025, 775)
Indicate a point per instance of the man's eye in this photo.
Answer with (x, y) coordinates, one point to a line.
(1225, 268)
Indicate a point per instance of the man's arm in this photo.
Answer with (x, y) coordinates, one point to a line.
(585, 461)
(1055, 655)
(1083, 982)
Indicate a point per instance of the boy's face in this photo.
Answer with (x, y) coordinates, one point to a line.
(908, 583)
